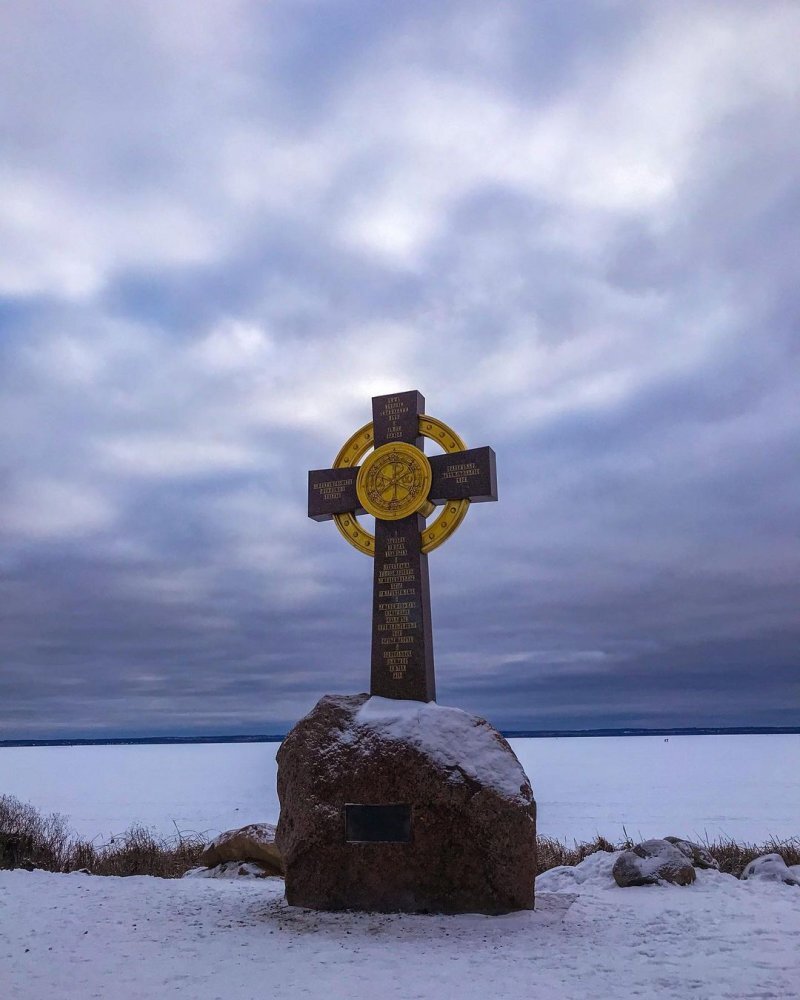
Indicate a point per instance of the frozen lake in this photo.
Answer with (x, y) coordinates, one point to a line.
(745, 787)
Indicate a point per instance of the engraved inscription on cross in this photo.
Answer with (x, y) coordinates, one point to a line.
(400, 486)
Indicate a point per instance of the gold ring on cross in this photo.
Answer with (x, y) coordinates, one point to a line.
(392, 457)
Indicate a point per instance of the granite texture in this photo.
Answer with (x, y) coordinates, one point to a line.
(473, 816)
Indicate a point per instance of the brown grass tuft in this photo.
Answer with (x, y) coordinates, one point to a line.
(734, 858)
(552, 853)
(30, 840)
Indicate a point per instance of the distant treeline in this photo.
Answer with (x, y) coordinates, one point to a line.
(512, 734)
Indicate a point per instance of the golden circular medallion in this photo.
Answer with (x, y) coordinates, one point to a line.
(453, 513)
(394, 481)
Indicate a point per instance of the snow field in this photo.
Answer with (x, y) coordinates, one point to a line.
(77, 937)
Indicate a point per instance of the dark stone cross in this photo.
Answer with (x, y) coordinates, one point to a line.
(402, 640)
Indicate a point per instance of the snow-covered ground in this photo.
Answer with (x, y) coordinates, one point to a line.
(75, 937)
(746, 787)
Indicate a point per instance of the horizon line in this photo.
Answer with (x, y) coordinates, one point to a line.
(507, 733)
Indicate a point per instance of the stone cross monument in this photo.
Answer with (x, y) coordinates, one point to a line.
(401, 487)
(390, 801)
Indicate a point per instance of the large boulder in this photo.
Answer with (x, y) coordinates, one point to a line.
(255, 842)
(770, 868)
(470, 840)
(651, 862)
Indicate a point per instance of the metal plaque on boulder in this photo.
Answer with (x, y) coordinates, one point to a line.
(385, 824)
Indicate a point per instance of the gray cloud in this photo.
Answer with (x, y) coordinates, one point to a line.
(226, 226)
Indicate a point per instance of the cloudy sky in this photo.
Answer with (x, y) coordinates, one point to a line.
(225, 225)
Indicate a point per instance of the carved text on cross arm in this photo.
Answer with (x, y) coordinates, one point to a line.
(332, 490)
(461, 472)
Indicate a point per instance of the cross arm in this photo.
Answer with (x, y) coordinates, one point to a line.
(464, 475)
(332, 491)
(458, 475)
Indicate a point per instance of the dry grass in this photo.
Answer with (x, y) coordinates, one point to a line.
(733, 857)
(29, 839)
(552, 853)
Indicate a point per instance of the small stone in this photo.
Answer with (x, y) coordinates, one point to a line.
(651, 862)
(770, 868)
(697, 854)
(232, 869)
(255, 842)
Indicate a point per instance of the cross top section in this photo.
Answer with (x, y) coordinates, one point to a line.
(400, 487)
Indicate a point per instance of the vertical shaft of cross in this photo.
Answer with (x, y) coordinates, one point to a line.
(402, 637)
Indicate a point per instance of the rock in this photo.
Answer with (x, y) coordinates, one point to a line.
(651, 862)
(255, 842)
(697, 854)
(770, 868)
(472, 821)
(232, 869)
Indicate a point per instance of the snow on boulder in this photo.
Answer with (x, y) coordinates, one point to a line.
(700, 856)
(232, 869)
(450, 738)
(771, 868)
(470, 840)
(255, 842)
(651, 862)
